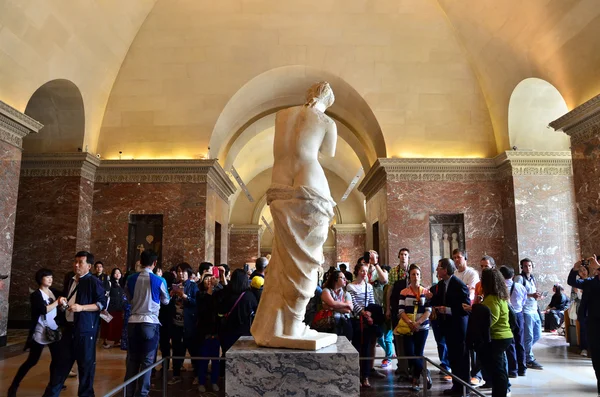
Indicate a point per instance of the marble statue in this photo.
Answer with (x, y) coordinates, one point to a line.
(302, 210)
(447, 252)
(454, 241)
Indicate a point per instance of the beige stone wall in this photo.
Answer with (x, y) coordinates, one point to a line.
(190, 57)
(82, 41)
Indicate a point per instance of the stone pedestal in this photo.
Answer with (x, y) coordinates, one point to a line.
(258, 371)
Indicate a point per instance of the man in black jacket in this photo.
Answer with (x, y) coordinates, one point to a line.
(448, 301)
(86, 298)
(591, 288)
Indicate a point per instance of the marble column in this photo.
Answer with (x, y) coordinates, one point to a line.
(53, 221)
(244, 245)
(402, 195)
(539, 213)
(350, 240)
(14, 126)
(191, 195)
(582, 124)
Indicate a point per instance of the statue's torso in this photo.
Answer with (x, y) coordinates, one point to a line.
(299, 133)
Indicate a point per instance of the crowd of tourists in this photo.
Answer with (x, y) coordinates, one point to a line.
(484, 325)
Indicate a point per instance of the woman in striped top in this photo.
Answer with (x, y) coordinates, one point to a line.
(412, 300)
(363, 338)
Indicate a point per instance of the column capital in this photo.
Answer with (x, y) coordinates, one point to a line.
(246, 229)
(60, 164)
(349, 228)
(581, 123)
(14, 125)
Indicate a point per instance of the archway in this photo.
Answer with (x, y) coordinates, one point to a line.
(534, 103)
(58, 105)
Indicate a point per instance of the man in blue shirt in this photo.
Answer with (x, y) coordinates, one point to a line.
(85, 299)
(146, 291)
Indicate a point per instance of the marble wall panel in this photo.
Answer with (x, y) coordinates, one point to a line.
(10, 167)
(243, 248)
(349, 247)
(409, 205)
(509, 222)
(183, 206)
(329, 255)
(376, 211)
(586, 173)
(46, 233)
(217, 210)
(547, 226)
(84, 215)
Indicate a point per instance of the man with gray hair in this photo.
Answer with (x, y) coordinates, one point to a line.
(448, 302)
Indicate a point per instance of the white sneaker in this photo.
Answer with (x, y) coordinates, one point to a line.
(201, 389)
(584, 353)
(215, 387)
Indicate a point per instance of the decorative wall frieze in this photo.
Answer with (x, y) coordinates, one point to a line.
(255, 230)
(60, 164)
(349, 228)
(516, 162)
(14, 125)
(464, 170)
(581, 123)
(167, 171)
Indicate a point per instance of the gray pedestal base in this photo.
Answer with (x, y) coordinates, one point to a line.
(259, 371)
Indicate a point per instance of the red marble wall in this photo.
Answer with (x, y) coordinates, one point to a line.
(349, 247)
(243, 248)
(586, 174)
(329, 259)
(52, 224)
(547, 230)
(183, 206)
(409, 205)
(10, 167)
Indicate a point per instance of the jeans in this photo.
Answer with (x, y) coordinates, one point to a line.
(74, 347)
(493, 360)
(533, 333)
(413, 346)
(35, 352)
(387, 341)
(516, 351)
(440, 341)
(210, 348)
(181, 343)
(141, 353)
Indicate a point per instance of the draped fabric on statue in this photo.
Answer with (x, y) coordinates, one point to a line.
(301, 217)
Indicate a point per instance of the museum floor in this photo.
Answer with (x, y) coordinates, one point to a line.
(564, 374)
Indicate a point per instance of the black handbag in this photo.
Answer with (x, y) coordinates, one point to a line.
(51, 335)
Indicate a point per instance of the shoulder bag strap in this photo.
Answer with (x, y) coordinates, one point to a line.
(235, 304)
(512, 288)
(73, 293)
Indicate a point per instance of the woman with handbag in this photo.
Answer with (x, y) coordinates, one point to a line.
(112, 331)
(334, 317)
(363, 326)
(414, 311)
(44, 330)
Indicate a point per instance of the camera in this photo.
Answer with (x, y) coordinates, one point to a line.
(585, 262)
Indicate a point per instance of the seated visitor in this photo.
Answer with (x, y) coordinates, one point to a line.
(554, 314)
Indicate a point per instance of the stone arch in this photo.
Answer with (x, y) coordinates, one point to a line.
(58, 105)
(533, 104)
(285, 86)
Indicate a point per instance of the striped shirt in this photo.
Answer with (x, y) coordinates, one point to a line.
(146, 291)
(357, 292)
(408, 301)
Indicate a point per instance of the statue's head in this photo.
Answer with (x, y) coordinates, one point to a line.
(320, 92)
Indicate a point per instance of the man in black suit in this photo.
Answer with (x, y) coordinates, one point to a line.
(448, 302)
